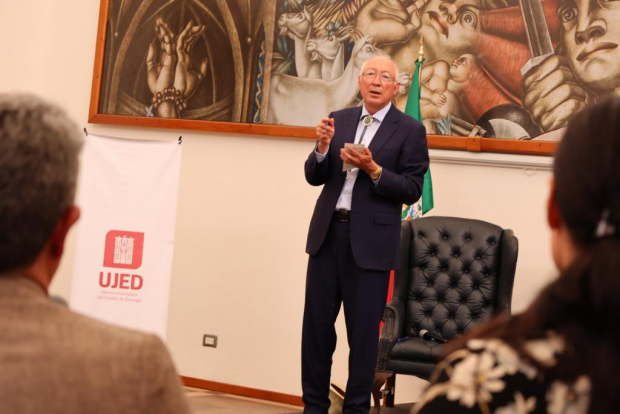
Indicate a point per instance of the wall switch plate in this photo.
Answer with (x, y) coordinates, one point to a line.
(209, 340)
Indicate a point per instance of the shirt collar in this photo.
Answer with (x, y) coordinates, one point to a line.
(14, 285)
(379, 115)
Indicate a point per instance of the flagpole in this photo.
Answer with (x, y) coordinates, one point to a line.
(420, 59)
(421, 51)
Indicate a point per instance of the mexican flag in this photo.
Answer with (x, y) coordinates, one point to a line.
(426, 202)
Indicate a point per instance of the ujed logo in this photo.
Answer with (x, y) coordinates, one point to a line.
(123, 249)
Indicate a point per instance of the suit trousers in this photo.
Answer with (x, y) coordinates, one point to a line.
(333, 279)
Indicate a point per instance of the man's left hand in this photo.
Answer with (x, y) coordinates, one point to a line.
(362, 160)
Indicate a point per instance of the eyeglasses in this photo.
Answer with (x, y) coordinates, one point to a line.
(371, 75)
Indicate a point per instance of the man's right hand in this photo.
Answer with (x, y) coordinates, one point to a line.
(552, 93)
(325, 133)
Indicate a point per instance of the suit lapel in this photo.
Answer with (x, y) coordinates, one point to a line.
(350, 126)
(385, 131)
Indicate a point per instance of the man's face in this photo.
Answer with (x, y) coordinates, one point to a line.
(376, 91)
(590, 36)
(450, 28)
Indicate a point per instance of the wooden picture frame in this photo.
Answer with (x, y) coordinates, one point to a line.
(96, 116)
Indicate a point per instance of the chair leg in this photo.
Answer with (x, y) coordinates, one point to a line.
(381, 378)
(391, 390)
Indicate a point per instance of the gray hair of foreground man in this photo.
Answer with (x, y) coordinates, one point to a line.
(39, 149)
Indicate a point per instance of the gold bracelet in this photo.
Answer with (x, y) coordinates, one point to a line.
(376, 173)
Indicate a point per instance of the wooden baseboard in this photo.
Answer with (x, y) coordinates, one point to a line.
(244, 391)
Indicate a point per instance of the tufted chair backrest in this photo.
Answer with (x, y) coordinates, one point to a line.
(455, 274)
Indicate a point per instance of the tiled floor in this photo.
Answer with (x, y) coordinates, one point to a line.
(203, 402)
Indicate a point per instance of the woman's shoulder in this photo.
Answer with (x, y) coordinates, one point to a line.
(541, 351)
(489, 375)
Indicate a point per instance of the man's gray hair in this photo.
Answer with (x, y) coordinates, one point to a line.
(385, 56)
(39, 149)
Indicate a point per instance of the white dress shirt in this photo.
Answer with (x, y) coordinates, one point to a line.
(344, 201)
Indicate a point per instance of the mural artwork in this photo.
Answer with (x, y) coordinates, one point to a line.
(511, 69)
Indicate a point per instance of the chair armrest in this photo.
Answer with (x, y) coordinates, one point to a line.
(393, 328)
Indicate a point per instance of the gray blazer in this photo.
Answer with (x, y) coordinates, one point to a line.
(53, 360)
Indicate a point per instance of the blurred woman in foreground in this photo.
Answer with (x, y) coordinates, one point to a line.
(562, 355)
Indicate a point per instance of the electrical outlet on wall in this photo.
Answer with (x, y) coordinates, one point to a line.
(209, 340)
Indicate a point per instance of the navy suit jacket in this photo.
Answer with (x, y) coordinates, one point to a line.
(399, 146)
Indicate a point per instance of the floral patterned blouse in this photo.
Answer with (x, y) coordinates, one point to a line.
(489, 377)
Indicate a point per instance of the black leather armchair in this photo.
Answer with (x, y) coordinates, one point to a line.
(455, 274)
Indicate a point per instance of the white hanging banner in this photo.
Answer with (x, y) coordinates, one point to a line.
(128, 193)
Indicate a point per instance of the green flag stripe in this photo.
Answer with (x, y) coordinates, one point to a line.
(413, 109)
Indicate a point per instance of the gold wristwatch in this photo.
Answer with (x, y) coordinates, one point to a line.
(376, 173)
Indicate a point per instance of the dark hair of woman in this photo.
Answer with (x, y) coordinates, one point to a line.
(583, 304)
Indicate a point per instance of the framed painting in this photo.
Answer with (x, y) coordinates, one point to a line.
(499, 75)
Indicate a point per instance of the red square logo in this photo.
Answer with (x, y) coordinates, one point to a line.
(123, 249)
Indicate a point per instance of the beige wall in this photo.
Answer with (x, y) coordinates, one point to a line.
(244, 208)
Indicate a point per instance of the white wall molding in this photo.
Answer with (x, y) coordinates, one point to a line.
(489, 159)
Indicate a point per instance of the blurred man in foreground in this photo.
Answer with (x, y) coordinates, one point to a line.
(53, 360)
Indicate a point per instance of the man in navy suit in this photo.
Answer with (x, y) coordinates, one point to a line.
(354, 234)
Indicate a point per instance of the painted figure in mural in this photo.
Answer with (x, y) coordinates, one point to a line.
(453, 31)
(343, 25)
(298, 26)
(388, 21)
(450, 29)
(587, 63)
(288, 108)
(485, 69)
(329, 51)
(161, 61)
(442, 84)
(262, 77)
(170, 77)
(493, 36)
(434, 81)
